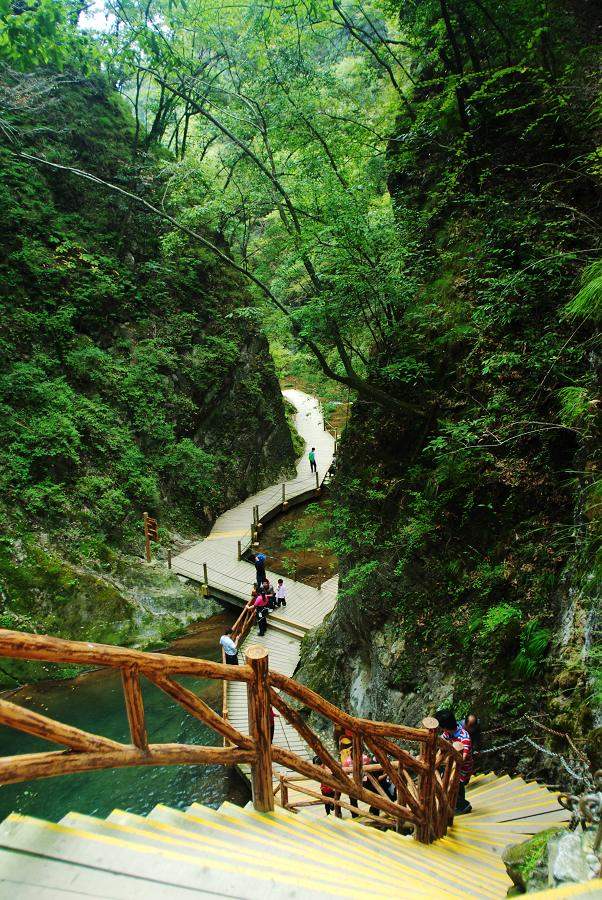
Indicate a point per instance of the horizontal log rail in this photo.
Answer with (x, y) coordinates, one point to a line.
(422, 787)
(334, 801)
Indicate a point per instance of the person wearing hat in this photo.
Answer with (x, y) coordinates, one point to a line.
(453, 732)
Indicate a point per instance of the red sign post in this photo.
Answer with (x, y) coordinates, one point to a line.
(151, 533)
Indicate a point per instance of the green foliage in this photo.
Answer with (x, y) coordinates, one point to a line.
(42, 34)
(587, 303)
(192, 471)
(120, 345)
(500, 619)
(574, 404)
(534, 642)
(298, 442)
(316, 533)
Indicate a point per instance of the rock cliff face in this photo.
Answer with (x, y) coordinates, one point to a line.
(402, 642)
(243, 419)
(468, 533)
(133, 377)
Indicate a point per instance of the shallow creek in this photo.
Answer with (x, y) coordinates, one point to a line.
(310, 564)
(94, 702)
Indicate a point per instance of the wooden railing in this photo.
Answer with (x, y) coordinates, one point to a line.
(426, 783)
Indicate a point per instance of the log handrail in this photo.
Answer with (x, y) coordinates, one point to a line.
(424, 796)
(22, 645)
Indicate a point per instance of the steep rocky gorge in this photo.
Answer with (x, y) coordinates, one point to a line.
(132, 379)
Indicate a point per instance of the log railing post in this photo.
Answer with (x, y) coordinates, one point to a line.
(130, 679)
(454, 783)
(317, 482)
(205, 575)
(147, 546)
(258, 701)
(357, 758)
(239, 549)
(283, 792)
(426, 789)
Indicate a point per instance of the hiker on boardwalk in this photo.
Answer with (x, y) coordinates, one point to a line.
(312, 460)
(230, 647)
(261, 608)
(260, 568)
(455, 733)
(280, 594)
(273, 717)
(270, 593)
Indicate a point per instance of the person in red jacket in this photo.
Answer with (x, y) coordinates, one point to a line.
(325, 789)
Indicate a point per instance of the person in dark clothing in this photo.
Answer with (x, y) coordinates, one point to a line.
(270, 593)
(261, 605)
(454, 733)
(260, 568)
(325, 789)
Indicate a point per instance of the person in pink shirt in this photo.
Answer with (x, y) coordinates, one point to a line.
(261, 607)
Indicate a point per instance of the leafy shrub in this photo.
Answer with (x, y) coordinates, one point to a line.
(534, 641)
(501, 618)
(588, 301)
(573, 404)
(192, 471)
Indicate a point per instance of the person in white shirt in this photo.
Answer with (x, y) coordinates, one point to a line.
(281, 593)
(230, 648)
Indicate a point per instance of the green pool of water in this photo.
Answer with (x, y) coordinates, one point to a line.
(94, 702)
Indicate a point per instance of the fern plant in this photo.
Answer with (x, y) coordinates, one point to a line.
(534, 642)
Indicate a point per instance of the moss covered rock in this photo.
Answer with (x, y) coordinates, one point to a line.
(118, 601)
(552, 858)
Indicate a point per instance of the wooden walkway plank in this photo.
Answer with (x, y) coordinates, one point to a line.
(233, 578)
(229, 576)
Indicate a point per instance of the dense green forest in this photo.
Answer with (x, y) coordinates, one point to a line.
(404, 198)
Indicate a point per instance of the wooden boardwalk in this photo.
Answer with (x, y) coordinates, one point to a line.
(232, 579)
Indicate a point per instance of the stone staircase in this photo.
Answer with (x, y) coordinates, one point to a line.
(235, 852)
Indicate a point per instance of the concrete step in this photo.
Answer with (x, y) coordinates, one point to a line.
(203, 872)
(29, 877)
(328, 862)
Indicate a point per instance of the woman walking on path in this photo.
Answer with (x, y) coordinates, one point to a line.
(261, 606)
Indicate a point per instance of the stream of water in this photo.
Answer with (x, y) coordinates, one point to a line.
(94, 702)
(306, 558)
